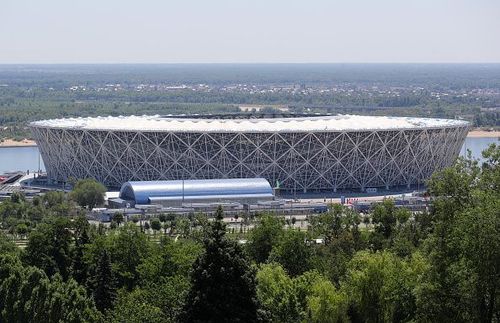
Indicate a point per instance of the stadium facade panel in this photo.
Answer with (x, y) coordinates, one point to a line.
(296, 154)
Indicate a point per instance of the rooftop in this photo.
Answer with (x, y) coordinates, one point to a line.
(278, 123)
(144, 192)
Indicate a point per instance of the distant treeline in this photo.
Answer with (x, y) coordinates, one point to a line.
(448, 76)
(33, 92)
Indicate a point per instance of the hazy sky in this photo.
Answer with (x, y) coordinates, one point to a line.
(224, 31)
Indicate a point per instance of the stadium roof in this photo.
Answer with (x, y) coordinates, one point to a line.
(280, 124)
(215, 189)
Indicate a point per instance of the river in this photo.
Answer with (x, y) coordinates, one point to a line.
(27, 158)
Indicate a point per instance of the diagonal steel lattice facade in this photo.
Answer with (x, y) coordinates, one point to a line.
(301, 161)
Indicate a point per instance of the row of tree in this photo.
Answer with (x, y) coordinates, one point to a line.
(20, 105)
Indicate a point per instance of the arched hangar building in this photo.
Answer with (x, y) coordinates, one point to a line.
(177, 192)
(295, 153)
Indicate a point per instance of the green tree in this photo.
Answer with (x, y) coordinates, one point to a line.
(264, 236)
(88, 193)
(158, 301)
(53, 199)
(118, 218)
(22, 229)
(381, 286)
(155, 225)
(49, 247)
(171, 259)
(128, 248)
(171, 223)
(104, 288)
(365, 281)
(277, 295)
(223, 282)
(79, 268)
(17, 197)
(6, 245)
(184, 226)
(306, 298)
(69, 302)
(478, 235)
(332, 259)
(132, 307)
(32, 297)
(326, 303)
(28, 295)
(292, 252)
(384, 218)
(332, 224)
(462, 282)
(14, 208)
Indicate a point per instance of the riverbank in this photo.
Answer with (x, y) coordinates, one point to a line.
(483, 134)
(7, 143)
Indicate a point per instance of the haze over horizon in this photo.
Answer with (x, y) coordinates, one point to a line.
(223, 31)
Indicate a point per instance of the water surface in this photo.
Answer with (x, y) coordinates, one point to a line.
(19, 159)
(477, 145)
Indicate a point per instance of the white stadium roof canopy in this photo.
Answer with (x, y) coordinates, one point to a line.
(290, 124)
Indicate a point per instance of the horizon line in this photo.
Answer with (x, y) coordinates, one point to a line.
(253, 63)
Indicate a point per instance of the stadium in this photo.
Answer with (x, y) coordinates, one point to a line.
(300, 153)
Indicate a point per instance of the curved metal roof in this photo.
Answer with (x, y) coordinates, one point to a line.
(144, 192)
(289, 124)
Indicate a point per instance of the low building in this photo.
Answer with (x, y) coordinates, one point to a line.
(189, 192)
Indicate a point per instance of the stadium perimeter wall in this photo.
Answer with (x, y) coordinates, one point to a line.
(294, 160)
